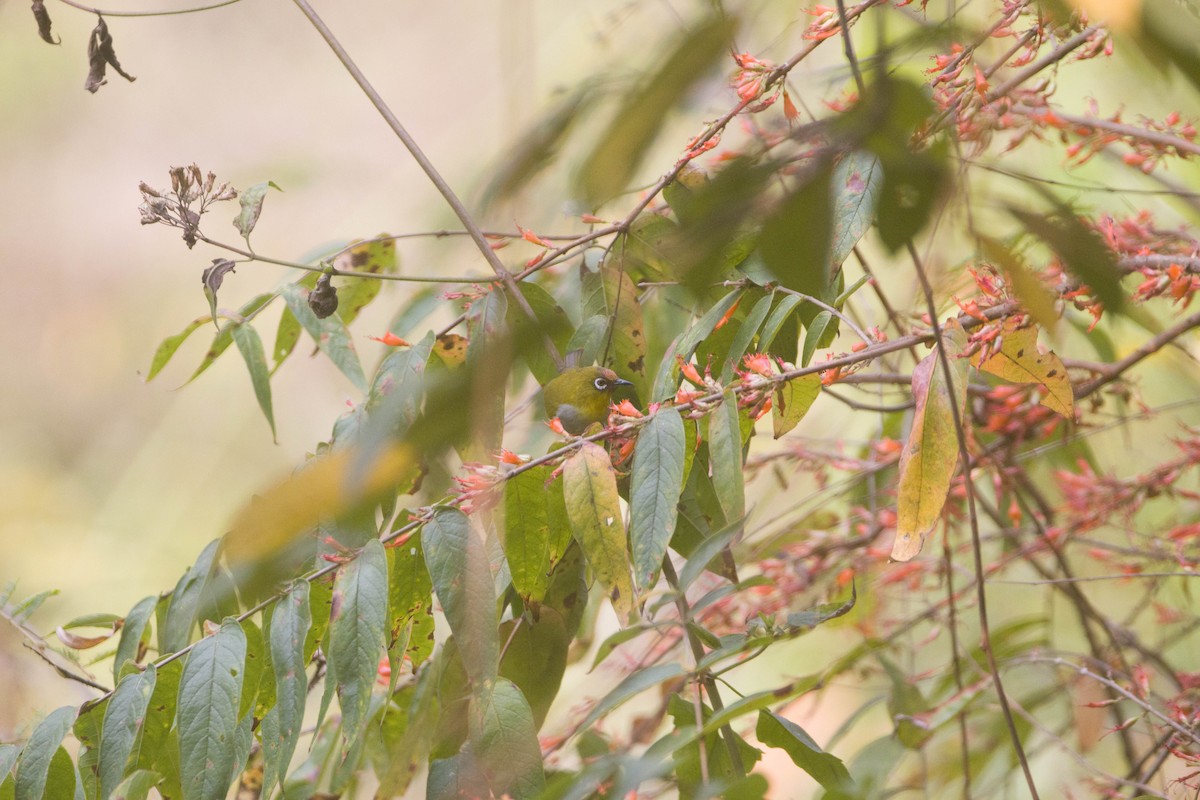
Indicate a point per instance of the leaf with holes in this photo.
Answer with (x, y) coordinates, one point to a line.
(594, 509)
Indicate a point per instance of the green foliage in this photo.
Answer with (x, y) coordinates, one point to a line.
(421, 596)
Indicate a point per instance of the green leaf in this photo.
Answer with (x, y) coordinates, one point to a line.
(817, 330)
(619, 638)
(124, 718)
(612, 163)
(357, 634)
(61, 778)
(462, 580)
(594, 509)
(826, 769)
(257, 665)
(725, 456)
(795, 241)
(535, 658)
(745, 336)
(857, 180)
(505, 740)
(251, 347)
(224, 337)
(487, 356)
(700, 557)
(647, 250)
(774, 324)
(156, 747)
(377, 257)
(29, 606)
(534, 538)
(930, 455)
(410, 593)
(137, 786)
(33, 767)
(8, 757)
(287, 334)
(720, 770)
(611, 293)
(890, 111)
(290, 623)
(89, 724)
(634, 684)
(251, 201)
(666, 382)
(1082, 251)
(185, 601)
(133, 633)
(530, 338)
(655, 487)
(209, 692)
(329, 333)
(169, 345)
(792, 401)
(537, 146)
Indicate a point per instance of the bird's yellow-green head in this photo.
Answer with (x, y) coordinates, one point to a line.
(581, 396)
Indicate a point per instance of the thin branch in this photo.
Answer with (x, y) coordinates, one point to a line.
(435, 177)
(964, 457)
(63, 666)
(710, 683)
(344, 273)
(174, 13)
(1120, 129)
(1115, 370)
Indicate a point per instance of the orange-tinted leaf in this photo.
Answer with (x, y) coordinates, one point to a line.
(1020, 361)
(930, 455)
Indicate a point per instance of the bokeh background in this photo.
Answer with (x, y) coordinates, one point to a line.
(110, 486)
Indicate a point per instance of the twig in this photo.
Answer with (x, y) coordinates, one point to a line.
(432, 173)
(1113, 371)
(173, 13)
(964, 457)
(37, 645)
(710, 683)
(344, 273)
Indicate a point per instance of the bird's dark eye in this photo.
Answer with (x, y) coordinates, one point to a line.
(601, 384)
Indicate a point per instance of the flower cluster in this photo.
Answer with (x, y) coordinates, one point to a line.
(190, 196)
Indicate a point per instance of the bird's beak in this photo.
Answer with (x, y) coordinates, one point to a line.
(622, 382)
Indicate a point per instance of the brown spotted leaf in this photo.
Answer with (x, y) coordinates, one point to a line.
(1020, 361)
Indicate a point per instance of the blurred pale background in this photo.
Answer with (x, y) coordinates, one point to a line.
(109, 486)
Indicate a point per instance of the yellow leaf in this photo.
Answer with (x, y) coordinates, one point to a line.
(1019, 361)
(325, 488)
(594, 509)
(1033, 295)
(930, 455)
(451, 349)
(792, 401)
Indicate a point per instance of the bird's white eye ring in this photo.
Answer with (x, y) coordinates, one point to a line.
(600, 384)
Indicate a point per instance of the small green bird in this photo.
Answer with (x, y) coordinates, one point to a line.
(580, 396)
